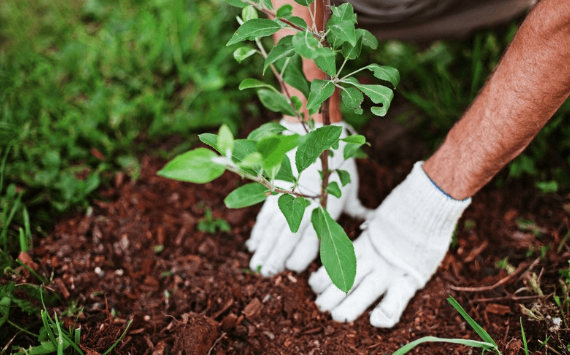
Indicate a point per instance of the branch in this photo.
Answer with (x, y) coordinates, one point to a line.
(325, 109)
(285, 21)
(266, 183)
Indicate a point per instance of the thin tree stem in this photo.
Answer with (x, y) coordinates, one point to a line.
(325, 109)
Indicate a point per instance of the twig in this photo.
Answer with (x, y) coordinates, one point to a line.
(216, 342)
(506, 298)
(499, 283)
(279, 78)
(325, 109)
(10, 342)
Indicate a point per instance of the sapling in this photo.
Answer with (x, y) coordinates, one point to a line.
(262, 156)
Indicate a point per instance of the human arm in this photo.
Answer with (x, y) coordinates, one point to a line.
(529, 85)
(409, 234)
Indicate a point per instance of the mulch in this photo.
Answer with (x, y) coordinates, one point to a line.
(138, 255)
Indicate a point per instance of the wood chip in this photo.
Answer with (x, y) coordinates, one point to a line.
(499, 309)
(228, 322)
(62, 288)
(253, 309)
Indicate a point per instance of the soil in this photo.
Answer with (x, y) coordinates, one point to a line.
(139, 255)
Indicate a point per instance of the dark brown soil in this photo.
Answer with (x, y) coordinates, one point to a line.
(139, 255)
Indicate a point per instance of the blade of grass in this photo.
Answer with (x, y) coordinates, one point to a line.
(118, 340)
(9, 218)
(476, 327)
(23, 241)
(42, 280)
(60, 335)
(524, 338)
(430, 339)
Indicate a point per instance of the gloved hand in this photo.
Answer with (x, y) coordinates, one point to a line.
(275, 247)
(400, 248)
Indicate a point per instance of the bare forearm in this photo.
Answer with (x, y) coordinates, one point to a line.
(529, 85)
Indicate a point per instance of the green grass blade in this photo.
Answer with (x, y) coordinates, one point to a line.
(23, 241)
(77, 335)
(429, 339)
(47, 326)
(9, 218)
(118, 340)
(524, 338)
(3, 166)
(60, 335)
(482, 333)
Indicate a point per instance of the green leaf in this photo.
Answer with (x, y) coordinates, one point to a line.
(283, 49)
(274, 148)
(293, 209)
(285, 10)
(209, 139)
(297, 102)
(265, 3)
(352, 98)
(379, 111)
(194, 166)
(249, 13)
(246, 195)
(320, 91)
(355, 138)
(296, 21)
(275, 101)
(352, 150)
(253, 29)
(253, 160)
(225, 140)
(305, 44)
(304, 2)
(243, 53)
(368, 39)
(4, 309)
(266, 130)
(314, 143)
(294, 75)
(334, 189)
(377, 93)
(250, 83)
(285, 172)
(344, 12)
(342, 31)
(337, 251)
(386, 73)
(236, 3)
(351, 52)
(327, 63)
(429, 339)
(242, 147)
(344, 176)
(476, 327)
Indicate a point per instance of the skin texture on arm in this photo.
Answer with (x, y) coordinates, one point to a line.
(309, 67)
(529, 85)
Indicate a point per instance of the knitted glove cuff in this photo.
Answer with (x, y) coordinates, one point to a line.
(413, 227)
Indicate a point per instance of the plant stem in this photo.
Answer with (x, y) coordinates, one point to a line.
(267, 184)
(285, 21)
(282, 84)
(325, 109)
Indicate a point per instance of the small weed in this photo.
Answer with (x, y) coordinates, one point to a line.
(211, 225)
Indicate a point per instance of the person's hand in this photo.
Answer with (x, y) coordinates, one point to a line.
(274, 246)
(400, 248)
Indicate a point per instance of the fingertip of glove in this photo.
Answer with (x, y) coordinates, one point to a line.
(381, 318)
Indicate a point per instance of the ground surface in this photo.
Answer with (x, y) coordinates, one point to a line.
(195, 294)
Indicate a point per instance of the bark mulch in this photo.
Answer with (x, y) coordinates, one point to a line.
(139, 255)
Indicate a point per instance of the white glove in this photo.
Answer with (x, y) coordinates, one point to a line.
(401, 247)
(275, 247)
